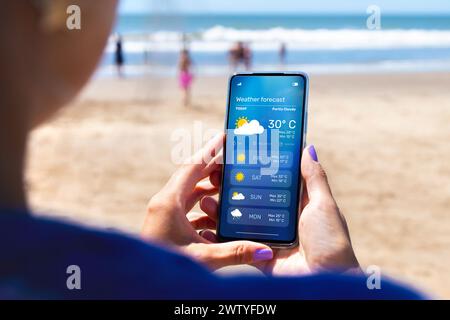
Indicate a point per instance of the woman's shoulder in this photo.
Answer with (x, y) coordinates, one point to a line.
(40, 256)
(112, 264)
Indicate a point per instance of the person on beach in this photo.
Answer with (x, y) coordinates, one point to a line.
(185, 76)
(247, 57)
(240, 54)
(282, 53)
(172, 260)
(118, 56)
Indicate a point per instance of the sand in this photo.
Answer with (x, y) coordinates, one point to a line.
(383, 139)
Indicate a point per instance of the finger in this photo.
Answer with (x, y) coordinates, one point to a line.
(202, 222)
(200, 165)
(205, 184)
(218, 255)
(216, 162)
(315, 177)
(202, 189)
(210, 206)
(216, 178)
(208, 156)
(208, 235)
(212, 149)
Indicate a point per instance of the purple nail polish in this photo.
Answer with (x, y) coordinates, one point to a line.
(312, 153)
(263, 254)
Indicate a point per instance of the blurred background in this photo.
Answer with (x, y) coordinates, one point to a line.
(379, 115)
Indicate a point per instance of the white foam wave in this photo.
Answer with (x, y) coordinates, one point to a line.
(220, 38)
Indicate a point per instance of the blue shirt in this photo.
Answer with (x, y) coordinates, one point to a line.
(35, 254)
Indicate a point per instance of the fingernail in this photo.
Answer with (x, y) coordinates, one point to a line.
(263, 254)
(313, 153)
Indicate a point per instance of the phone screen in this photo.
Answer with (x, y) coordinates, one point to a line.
(265, 134)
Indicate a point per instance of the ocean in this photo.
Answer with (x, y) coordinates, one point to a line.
(314, 43)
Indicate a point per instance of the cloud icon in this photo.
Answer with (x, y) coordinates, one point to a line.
(249, 128)
(236, 213)
(238, 196)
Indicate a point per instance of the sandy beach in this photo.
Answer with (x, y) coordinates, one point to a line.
(383, 139)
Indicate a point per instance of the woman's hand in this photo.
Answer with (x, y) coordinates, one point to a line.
(324, 238)
(167, 223)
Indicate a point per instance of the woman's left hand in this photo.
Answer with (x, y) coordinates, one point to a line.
(168, 221)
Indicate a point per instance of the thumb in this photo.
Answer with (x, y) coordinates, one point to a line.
(218, 255)
(315, 177)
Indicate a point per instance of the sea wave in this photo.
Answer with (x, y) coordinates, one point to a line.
(328, 68)
(220, 38)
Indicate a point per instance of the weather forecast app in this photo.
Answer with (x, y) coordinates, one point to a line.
(261, 180)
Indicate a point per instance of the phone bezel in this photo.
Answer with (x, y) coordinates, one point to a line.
(272, 243)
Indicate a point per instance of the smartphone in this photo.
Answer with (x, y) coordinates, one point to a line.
(265, 128)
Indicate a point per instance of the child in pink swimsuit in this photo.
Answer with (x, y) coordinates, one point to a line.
(185, 76)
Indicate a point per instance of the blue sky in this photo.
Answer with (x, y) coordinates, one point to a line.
(283, 6)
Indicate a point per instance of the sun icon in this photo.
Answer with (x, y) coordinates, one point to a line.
(235, 194)
(239, 177)
(241, 157)
(241, 121)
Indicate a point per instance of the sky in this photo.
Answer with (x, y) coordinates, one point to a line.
(284, 6)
